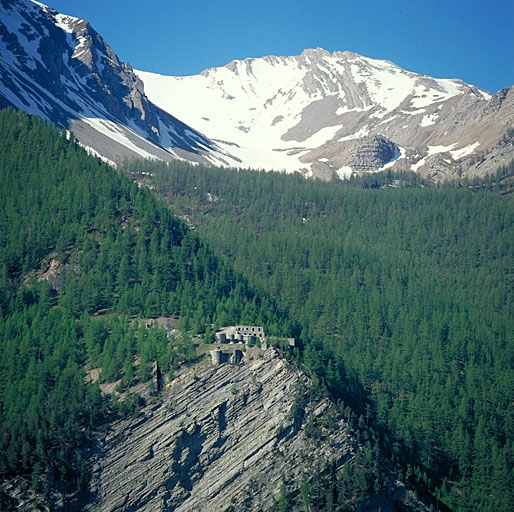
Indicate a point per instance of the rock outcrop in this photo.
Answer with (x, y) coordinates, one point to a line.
(371, 153)
(222, 438)
(366, 154)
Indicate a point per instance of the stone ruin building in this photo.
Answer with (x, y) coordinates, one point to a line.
(247, 335)
(226, 356)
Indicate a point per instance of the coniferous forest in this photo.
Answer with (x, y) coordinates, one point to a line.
(401, 296)
(404, 298)
(120, 254)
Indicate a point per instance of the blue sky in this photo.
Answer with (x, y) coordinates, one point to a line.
(468, 39)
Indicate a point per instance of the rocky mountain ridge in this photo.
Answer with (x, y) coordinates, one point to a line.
(314, 112)
(58, 67)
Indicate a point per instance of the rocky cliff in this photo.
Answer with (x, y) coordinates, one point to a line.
(224, 438)
(227, 438)
(58, 67)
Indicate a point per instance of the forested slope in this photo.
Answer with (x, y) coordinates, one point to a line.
(84, 253)
(402, 299)
(405, 301)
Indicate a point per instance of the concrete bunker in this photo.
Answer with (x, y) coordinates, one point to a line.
(233, 356)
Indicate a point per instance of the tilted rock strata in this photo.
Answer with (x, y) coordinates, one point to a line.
(225, 438)
(366, 154)
(219, 432)
(220, 438)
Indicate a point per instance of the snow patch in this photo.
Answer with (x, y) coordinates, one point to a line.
(250, 98)
(417, 165)
(63, 22)
(413, 112)
(460, 153)
(424, 95)
(344, 109)
(388, 120)
(487, 96)
(429, 120)
(357, 135)
(111, 130)
(43, 6)
(320, 137)
(92, 151)
(433, 150)
(386, 84)
(344, 172)
(16, 24)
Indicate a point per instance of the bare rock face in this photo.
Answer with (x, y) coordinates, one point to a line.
(223, 438)
(58, 67)
(366, 154)
(54, 274)
(370, 153)
(218, 433)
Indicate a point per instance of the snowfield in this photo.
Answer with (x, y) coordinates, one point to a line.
(271, 111)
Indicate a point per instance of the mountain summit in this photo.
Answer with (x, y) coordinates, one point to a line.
(60, 68)
(330, 114)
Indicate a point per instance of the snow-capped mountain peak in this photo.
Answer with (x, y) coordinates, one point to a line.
(313, 111)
